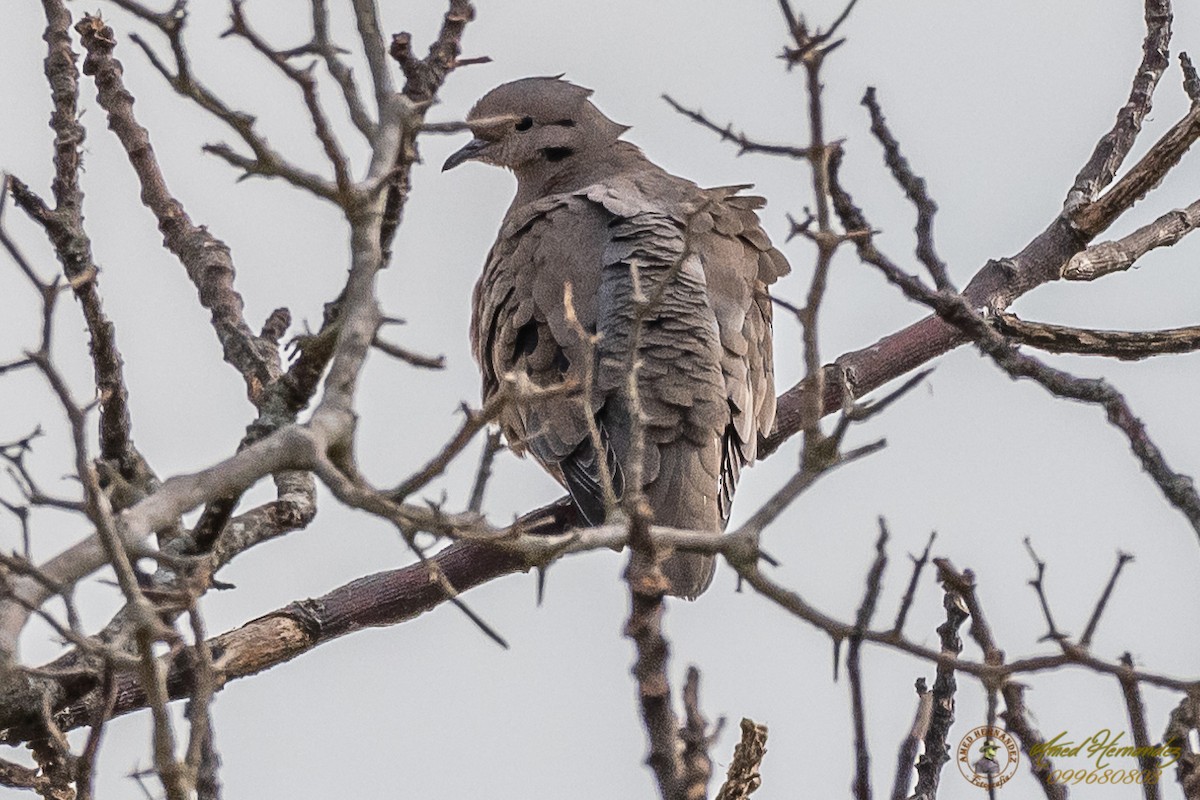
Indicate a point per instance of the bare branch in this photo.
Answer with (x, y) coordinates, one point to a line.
(73, 247)
(408, 356)
(647, 586)
(1106, 258)
(341, 73)
(1184, 719)
(266, 161)
(1086, 639)
(906, 759)
(491, 446)
(86, 766)
(1191, 80)
(1149, 763)
(909, 593)
(697, 765)
(996, 285)
(937, 748)
(745, 144)
(473, 423)
(956, 309)
(149, 630)
(743, 779)
(308, 87)
(1031, 739)
(914, 188)
(1115, 145)
(423, 77)
(1125, 345)
(1039, 586)
(874, 583)
(1092, 218)
(395, 596)
(366, 15)
(201, 759)
(796, 485)
(205, 257)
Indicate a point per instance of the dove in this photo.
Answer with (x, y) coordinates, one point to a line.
(665, 281)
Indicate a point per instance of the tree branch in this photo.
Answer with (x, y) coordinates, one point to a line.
(1115, 145)
(1114, 256)
(1125, 345)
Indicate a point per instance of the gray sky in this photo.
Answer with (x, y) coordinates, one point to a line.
(996, 104)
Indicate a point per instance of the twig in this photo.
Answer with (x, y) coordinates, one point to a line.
(608, 470)
(1039, 586)
(395, 596)
(266, 161)
(909, 593)
(647, 586)
(1086, 639)
(149, 631)
(995, 286)
(86, 765)
(367, 18)
(341, 73)
(906, 758)
(492, 445)
(16, 776)
(409, 356)
(73, 247)
(303, 78)
(473, 423)
(1149, 763)
(201, 755)
(874, 584)
(769, 511)
(914, 188)
(744, 143)
(423, 78)
(1147, 173)
(1183, 720)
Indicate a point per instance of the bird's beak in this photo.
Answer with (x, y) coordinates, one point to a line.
(470, 150)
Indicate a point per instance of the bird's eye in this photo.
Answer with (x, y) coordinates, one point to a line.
(525, 124)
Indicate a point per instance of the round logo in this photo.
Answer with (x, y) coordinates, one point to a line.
(988, 756)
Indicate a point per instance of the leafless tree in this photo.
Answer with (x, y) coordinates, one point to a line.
(156, 649)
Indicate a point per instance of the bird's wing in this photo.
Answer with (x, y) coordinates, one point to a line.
(739, 265)
(521, 324)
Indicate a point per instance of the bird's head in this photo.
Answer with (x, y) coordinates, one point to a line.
(536, 127)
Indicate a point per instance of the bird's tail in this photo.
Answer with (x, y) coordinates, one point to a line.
(689, 573)
(683, 495)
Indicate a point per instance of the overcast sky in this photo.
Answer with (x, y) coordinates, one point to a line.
(997, 104)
